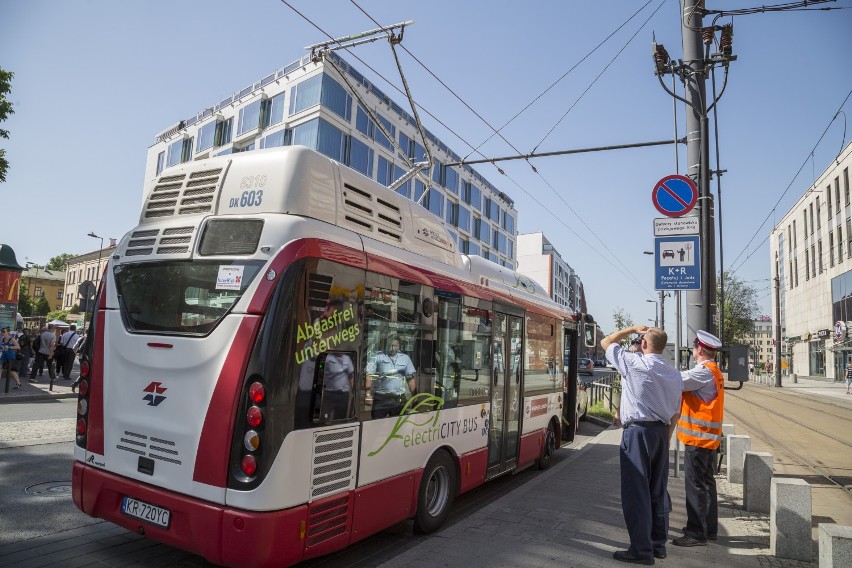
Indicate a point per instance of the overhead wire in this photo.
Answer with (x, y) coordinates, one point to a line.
(734, 265)
(604, 70)
(580, 218)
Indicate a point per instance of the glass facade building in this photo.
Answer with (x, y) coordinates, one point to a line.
(310, 103)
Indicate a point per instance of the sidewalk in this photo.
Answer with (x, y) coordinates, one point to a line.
(571, 516)
(809, 385)
(39, 390)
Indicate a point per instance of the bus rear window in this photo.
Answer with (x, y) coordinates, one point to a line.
(181, 297)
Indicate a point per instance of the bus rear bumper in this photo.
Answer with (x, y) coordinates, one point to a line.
(220, 534)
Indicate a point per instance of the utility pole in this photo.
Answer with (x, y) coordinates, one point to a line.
(662, 310)
(700, 304)
(777, 350)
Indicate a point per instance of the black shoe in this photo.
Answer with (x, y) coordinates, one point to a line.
(625, 556)
(660, 555)
(16, 387)
(689, 541)
(709, 536)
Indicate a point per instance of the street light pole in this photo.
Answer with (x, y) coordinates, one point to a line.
(97, 274)
(656, 313)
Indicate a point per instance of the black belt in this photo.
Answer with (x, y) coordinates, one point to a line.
(646, 423)
(394, 397)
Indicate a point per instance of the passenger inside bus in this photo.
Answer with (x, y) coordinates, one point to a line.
(388, 374)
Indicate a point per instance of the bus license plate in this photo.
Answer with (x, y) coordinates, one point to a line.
(145, 512)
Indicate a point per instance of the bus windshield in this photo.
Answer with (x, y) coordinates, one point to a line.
(181, 296)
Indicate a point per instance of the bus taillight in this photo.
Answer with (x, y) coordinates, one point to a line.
(84, 388)
(249, 465)
(251, 441)
(81, 427)
(84, 368)
(257, 393)
(82, 407)
(254, 416)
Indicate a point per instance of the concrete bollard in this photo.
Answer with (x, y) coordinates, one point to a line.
(835, 545)
(790, 519)
(738, 445)
(729, 429)
(795, 378)
(757, 477)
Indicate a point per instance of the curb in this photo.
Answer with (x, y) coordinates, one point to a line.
(35, 397)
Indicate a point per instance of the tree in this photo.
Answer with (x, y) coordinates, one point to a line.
(58, 262)
(5, 111)
(621, 318)
(25, 303)
(42, 307)
(57, 315)
(740, 309)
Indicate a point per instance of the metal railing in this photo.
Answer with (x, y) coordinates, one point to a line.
(606, 389)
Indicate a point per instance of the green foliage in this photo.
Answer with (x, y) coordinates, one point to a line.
(601, 410)
(42, 307)
(5, 111)
(740, 311)
(57, 315)
(59, 261)
(621, 318)
(75, 309)
(25, 303)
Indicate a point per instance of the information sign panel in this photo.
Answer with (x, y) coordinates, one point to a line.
(676, 261)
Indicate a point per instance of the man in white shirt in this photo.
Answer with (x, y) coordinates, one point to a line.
(65, 360)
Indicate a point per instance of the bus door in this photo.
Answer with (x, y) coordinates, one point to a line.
(506, 403)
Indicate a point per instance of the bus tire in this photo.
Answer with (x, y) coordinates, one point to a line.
(543, 462)
(436, 493)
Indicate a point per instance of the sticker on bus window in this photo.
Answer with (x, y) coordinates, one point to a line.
(229, 277)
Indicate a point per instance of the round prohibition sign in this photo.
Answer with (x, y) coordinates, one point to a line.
(675, 195)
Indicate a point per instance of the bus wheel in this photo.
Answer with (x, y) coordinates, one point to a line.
(435, 497)
(549, 448)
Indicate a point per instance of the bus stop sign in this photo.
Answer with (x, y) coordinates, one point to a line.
(675, 196)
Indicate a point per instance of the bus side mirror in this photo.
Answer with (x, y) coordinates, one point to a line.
(590, 334)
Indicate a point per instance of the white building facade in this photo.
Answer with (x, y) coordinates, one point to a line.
(538, 259)
(318, 104)
(811, 256)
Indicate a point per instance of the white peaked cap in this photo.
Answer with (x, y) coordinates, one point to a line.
(708, 340)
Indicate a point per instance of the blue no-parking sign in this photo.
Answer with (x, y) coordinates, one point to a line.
(676, 263)
(675, 195)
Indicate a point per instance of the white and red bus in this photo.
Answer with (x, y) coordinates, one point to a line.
(243, 398)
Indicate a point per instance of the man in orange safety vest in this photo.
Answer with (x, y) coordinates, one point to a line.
(700, 429)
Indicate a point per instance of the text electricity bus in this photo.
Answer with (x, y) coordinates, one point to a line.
(287, 357)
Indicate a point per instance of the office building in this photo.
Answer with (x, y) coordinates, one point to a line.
(322, 104)
(811, 257)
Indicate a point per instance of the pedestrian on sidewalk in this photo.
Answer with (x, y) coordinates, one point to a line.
(65, 357)
(25, 340)
(700, 429)
(10, 361)
(848, 379)
(650, 399)
(47, 344)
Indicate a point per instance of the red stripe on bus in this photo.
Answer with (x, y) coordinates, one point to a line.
(95, 431)
(214, 445)
(303, 248)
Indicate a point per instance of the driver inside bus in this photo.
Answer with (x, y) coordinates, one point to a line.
(387, 374)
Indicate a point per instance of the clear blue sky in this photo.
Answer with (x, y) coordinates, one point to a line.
(95, 80)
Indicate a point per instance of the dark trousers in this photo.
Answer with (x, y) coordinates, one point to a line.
(67, 363)
(387, 405)
(40, 360)
(702, 507)
(644, 458)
